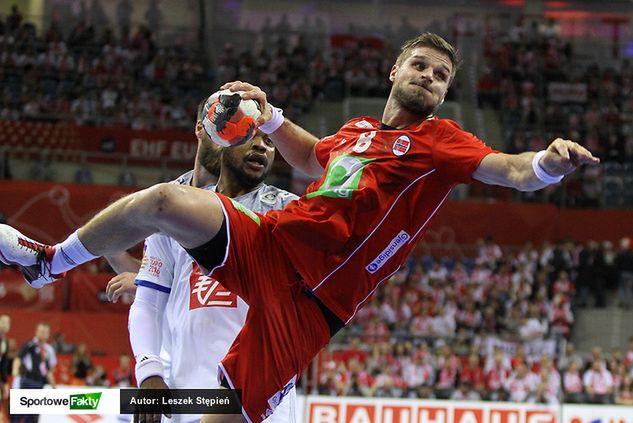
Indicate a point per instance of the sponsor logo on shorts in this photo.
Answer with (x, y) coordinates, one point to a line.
(388, 252)
(276, 399)
(401, 145)
(208, 292)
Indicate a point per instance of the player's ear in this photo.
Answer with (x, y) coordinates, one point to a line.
(393, 73)
(199, 129)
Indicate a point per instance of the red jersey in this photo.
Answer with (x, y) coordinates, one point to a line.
(357, 224)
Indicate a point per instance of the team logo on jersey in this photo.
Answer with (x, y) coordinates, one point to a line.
(401, 145)
(269, 198)
(342, 177)
(208, 292)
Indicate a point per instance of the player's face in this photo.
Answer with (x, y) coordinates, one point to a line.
(421, 81)
(250, 162)
(42, 333)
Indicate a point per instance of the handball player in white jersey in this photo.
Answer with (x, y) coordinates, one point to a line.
(173, 290)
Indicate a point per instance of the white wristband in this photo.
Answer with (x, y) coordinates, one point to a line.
(275, 121)
(148, 366)
(541, 173)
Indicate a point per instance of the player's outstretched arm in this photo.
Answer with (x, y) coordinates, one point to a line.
(532, 171)
(295, 144)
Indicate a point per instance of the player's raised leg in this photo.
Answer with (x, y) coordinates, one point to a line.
(189, 215)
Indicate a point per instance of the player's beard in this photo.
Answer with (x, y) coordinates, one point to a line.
(209, 157)
(413, 103)
(235, 165)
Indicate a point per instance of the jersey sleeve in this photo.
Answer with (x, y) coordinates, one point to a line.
(457, 153)
(322, 149)
(157, 266)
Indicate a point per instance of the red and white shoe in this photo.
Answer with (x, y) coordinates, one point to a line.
(33, 258)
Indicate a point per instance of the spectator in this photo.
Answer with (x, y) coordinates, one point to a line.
(34, 365)
(521, 384)
(496, 376)
(625, 391)
(548, 387)
(446, 380)
(573, 384)
(358, 382)
(14, 20)
(123, 376)
(598, 382)
(81, 364)
(624, 268)
(473, 374)
(465, 392)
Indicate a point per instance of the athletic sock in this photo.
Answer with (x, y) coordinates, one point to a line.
(69, 254)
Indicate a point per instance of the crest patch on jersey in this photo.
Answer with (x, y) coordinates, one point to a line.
(269, 198)
(401, 145)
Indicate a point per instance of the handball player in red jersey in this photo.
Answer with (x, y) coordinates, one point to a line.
(306, 270)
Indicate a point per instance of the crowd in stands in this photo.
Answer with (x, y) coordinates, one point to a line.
(497, 327)
(535, 80)
(96, 79)
(93, 76)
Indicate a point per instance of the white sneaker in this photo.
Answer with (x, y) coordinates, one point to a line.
(33, 258)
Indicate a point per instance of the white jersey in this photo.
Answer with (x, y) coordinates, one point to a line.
(201, 318)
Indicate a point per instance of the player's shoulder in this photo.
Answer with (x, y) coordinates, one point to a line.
(363, 122)
(446, 125)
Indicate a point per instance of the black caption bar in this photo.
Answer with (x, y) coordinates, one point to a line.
(181, 401)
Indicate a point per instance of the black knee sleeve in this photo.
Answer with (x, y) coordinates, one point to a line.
(211, 254)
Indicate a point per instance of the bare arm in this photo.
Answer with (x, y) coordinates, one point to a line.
(295, 144)
(515, 170)
(124, 262)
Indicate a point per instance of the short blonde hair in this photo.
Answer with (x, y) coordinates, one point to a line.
(434, 41)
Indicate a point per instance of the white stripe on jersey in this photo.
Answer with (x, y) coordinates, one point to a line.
(419, 178)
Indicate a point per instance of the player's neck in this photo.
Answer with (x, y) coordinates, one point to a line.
(231, 187)
(399, 118)
(201, 177)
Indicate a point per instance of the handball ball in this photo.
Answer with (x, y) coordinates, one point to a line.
(228, 120)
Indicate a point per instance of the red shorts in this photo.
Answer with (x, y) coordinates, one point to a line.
(284, 326)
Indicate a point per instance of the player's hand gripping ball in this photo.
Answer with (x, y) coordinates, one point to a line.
(228, 120)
